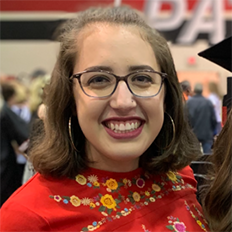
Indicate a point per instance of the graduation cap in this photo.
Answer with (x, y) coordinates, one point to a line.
(220, 53)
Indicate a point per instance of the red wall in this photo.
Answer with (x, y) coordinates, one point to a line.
(72, 5)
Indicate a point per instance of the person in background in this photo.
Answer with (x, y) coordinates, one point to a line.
(116, 149)
(202, 118)
(216, 98)
(21, 108)
(186, 89)
(14, 130)
(36, 92)
(217, 199)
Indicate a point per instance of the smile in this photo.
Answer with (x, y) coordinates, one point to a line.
(126, 129)
(123, 127)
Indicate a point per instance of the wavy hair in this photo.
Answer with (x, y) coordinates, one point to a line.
(217, 200)
(53, 153)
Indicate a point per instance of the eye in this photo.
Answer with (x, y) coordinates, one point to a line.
(98, 80)
(141, 78)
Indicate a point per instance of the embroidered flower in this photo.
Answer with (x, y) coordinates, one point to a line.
(65, 201)
(171, 175)
(86, 201)
(112, 184)
(108, 201)
(92, 205)
(93, 178)
(75, 201)
(81, 179)
(147, 193)
(96, 184)
(156, 187)
(136, 196)
(57, 198)
(179, 227)
(140, 182)
(124, 181)
(92, 228)
(199, 223)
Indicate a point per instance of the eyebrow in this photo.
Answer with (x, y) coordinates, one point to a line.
(130, 68)
(97, 68)
(140, 67)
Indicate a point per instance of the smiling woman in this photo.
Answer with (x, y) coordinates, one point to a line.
(116, 146)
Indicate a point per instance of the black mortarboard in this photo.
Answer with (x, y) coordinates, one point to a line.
(220, 53)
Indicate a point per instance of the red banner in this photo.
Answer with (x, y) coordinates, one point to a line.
(77, 5)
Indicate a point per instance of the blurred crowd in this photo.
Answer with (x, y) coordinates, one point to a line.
(20, 101)
(203, 113)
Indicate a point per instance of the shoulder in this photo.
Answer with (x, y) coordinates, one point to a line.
(27, 208)
(188, 176)
(18, 215)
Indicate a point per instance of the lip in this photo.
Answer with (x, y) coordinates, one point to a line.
(123, 119)
(128, 135)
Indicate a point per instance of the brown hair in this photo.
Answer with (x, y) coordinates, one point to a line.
(218, 198)
(55, 156)
(214, 88)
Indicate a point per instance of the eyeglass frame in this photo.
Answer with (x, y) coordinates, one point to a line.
(118, 79)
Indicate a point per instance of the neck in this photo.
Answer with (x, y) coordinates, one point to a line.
(111, 162)
(115, 166)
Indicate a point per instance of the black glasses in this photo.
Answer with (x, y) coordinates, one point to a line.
(100, 84)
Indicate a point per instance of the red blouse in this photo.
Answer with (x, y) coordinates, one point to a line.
(104, 201)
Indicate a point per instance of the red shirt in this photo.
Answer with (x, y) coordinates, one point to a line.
(105, 201)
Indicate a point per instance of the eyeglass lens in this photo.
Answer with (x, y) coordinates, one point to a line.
(99, 84)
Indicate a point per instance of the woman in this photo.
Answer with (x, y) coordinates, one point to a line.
(122, 165)
(218, 198)
(216, 98)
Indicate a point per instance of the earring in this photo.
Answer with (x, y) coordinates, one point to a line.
(173, 131)
(70, 133)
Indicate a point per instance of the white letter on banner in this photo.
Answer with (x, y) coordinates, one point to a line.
(197, 24)
(153, 8)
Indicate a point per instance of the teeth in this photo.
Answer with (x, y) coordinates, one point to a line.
(136, 125)
(123, 128)
(112, 126)
(132, 126)
(128, 127)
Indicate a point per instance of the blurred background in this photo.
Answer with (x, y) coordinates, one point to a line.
(27, 33)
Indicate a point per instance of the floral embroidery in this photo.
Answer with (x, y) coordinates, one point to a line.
(136, 196)
(172, 177)
(86, 201)
(92, 178)
(195, 217)
(176, 225)
(75, 201)
(57, 198)
(96, 184)
(140, 182)
(112, 184)
(108, 201)
(156, 187)
(80, 179)
(110, 206)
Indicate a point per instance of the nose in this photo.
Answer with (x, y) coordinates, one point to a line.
(122, 99)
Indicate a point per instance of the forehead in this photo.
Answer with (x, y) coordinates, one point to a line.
(102, 42)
